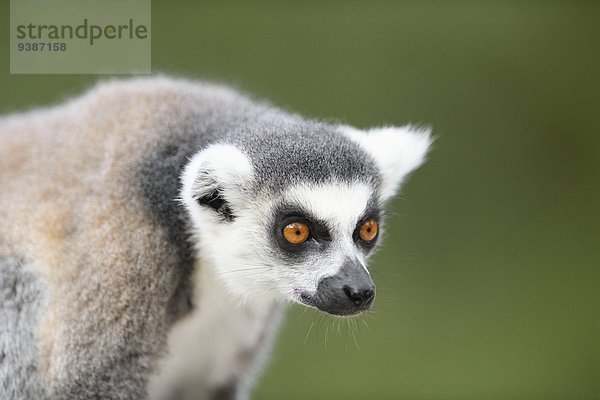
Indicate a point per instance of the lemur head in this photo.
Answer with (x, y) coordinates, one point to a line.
(295, 214)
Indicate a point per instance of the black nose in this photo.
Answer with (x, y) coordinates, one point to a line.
(348, 292)
(360, 297)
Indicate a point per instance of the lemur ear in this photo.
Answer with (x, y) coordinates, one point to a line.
(215, 178)
(397, 152)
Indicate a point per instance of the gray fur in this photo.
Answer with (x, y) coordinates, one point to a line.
(301, 151)
(21, 295)
(159, 184)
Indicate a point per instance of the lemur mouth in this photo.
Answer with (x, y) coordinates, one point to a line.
(307, 300)
(333, 307)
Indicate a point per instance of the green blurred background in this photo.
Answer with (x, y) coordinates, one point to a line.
(488, 284)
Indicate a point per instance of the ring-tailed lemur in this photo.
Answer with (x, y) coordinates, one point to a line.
(152, 230)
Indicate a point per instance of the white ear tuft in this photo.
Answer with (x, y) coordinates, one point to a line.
(216, 177)
(397, 151)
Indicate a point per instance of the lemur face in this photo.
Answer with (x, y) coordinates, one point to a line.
(323, 234)
(307, 242)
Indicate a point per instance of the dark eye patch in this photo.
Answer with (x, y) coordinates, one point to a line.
(319, 233)
(373, 213)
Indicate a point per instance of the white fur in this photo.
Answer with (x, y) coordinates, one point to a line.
(397, 151)
(237, 311)
(240, 251)
(242, 278)
(233, 249)
(207, 348)
(341, 205)
(219, 164)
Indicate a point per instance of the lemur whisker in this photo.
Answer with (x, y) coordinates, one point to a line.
(243, 270)
(309, 330)
(355, 341)
(365, 324)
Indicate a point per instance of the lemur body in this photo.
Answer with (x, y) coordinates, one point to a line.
(151, 231)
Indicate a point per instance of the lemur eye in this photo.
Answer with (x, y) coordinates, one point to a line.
(296, 233)
(369, 230)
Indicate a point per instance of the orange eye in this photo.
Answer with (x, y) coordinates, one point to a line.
(368, 230)
(296, 233)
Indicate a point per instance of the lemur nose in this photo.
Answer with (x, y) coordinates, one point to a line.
(348, 292)
(360, 297)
